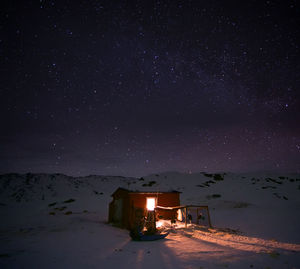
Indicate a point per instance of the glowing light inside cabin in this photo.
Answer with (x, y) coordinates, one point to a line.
(150, 204)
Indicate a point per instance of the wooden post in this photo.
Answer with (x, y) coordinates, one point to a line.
(154, 220)
(209, 222)
(185, 210)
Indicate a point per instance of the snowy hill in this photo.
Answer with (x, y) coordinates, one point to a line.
(58, 221)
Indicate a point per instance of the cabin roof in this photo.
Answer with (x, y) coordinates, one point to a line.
(120, 189)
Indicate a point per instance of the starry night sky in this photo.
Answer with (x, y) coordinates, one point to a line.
(137, 87)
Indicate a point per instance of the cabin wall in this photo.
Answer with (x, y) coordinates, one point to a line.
(126, 212)
(118, 208)
(137, 205)
(133, 205)
(139, 200)
(167, 199)
(163, 199)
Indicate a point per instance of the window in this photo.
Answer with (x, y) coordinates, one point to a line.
(151, 203)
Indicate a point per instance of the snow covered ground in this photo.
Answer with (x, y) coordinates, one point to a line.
(56, 221)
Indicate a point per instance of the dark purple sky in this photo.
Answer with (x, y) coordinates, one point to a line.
(139, 87)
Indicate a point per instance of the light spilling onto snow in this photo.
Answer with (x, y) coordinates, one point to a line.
(150, 204)
(244, 243)
(159, 223)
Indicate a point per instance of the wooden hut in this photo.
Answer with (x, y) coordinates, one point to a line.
(127, 206)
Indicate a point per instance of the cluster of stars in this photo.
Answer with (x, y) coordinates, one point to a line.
(141, 87)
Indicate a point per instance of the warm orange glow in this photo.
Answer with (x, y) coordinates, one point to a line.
(179, 215)
(159, 223)
(150, 204)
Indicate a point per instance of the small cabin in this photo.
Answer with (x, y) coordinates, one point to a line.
(127, 206)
